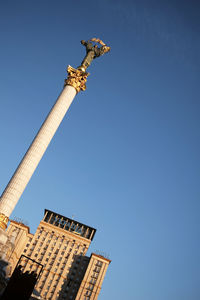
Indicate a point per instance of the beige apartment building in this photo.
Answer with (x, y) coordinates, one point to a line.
(60, 245)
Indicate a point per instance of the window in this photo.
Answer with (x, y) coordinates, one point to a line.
(97, 269)
(95, 275)
(93, 281)
(88, 293)
(99, 263)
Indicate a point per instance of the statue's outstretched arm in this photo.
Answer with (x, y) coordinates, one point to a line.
(102, 50)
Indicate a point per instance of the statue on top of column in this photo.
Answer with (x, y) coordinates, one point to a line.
(78, 77)
(92, 51)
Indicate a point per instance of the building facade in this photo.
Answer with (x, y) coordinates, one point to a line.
(60, 245)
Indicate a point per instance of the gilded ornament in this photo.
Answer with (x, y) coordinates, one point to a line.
(3, 221)
(76, 78)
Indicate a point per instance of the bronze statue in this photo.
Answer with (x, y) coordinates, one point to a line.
(92, 51)
(78, 77)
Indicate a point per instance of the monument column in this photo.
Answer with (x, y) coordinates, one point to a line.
(27, 166)
(34, 154)
(73, 84)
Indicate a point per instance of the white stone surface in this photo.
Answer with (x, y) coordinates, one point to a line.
(35, 152)
(3, 239)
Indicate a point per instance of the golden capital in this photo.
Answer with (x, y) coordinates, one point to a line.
(76, 78)
(3, 221)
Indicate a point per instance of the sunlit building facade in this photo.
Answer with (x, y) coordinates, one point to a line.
(60, 245)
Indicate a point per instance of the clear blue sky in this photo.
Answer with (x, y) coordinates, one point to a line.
(125, 160)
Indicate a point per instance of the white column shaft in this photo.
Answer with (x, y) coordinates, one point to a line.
(35, 152)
